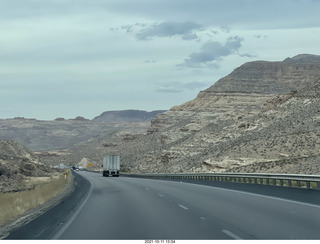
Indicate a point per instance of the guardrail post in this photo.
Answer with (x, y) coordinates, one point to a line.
(308, 184)
(274, 182)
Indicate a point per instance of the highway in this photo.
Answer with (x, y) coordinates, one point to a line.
(133, 208)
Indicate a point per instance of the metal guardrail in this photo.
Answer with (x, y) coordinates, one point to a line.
(284, 180)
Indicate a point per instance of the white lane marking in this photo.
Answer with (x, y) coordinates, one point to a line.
(42, 231)
(160, 195)
(183, 207)
(74, 215)
(234, 236)
(203, 218)
(147, 189)
(263, 196)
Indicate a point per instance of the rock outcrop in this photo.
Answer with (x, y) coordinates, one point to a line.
(197, 133)
(17, 165)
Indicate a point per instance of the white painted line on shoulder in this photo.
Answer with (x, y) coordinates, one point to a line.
(74, 215)
(234, 236)
(260, 195)
(160, 195)
(183, 207)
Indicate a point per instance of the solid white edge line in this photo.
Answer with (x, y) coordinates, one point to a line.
(260, 195)
(69, 222)
(183, 207)
(229, 233)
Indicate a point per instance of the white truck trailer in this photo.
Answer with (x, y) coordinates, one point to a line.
(111, 165)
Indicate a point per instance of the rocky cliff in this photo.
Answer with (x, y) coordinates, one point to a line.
(18, 166)
(247, 88)
(201, 134)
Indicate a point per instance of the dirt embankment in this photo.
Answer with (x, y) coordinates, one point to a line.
(27, 187)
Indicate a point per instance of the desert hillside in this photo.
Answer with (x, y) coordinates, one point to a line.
(63, 134)
(20, 169)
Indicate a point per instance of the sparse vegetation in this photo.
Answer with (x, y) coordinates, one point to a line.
(14, 204)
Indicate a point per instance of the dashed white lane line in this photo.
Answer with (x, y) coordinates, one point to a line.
(183, 207)
(229, 233)
(203, 218)
(160, 195)
(147, 189)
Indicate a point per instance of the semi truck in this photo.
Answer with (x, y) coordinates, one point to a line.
(111, 165)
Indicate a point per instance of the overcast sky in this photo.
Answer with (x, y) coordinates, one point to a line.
(68, 58)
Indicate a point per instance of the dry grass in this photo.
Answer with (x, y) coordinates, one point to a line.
(14, 204)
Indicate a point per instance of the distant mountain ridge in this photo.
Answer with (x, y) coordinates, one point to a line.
(127, 116)
(60, 134)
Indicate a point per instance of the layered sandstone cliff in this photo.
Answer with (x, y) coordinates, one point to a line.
(200, 135)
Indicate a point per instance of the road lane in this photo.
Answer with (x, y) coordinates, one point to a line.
(133, 208)
(121, 208)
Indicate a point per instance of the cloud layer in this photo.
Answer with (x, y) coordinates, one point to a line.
(169, 29)
(212, 52)
(67, 58)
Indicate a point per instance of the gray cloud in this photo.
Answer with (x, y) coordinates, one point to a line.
(169, 29)
(248, 55)
(179, 87)
(213, 51)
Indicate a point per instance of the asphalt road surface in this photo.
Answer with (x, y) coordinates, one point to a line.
(133, 208)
